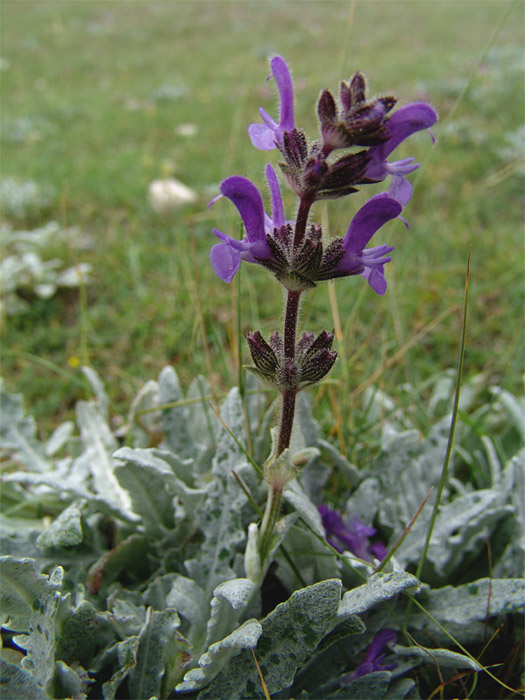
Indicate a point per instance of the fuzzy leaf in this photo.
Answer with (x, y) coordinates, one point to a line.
(188, 600)
(378, 588)
(294, 495)
(290, 636)
(444, 657)
(373, 685)
(59, 437)
(149, 483)
(148, 476)
(219, 656)
(161, 656)
(230, 600)
(21, 590)
(463, 610)
(19, 684)
(127, 660)
(141, 426)
(99, 444)
(175, 420)
(80, 631)
(130, 554)
(101, 401)
(461, 527)
(221, 521)
(311, 557)
(404, 471)
(18, 433)
(66, 529)
(39, 642)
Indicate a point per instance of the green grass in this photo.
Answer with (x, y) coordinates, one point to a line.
(88, 74)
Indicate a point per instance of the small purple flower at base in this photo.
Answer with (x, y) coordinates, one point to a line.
(270, 134)
(226, 256)
(373, 660)
(402, 124)
(353, 537)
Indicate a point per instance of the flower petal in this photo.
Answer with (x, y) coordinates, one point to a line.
(402, 124)
(225, 260)
(372, 215)
(376, 279)
(269, 134)
(284, 83)
(247, 198)
(277, 202)
(400, 189)
(262, 137)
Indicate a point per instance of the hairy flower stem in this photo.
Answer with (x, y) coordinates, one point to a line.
(291, 319)
(302, 219)
(288, 405)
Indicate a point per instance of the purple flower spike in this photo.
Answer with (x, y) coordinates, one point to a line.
(226, 256)
(369, 263)
(269, 135)
(373, 660)
(402, 124)
(353, 537)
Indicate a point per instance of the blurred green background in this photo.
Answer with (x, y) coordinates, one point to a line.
(94, 94)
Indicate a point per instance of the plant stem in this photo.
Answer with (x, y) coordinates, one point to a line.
(301, 220)
(288, 404)
(291, 318)
(271, 513)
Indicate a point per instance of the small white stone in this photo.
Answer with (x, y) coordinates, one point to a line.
(186, 129)
(169, 194)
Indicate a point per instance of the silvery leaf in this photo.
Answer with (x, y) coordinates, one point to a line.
(219, 656)
(18, 433)
(378, 588)
(311, 613)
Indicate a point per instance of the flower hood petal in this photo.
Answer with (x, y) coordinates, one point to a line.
(369, 219)
(247, 198)
(269, 134)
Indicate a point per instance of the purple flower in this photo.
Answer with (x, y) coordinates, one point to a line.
(373, 660)
(226, 257)
(269, 135)
(402, 124)
(369, 263)
(353, 537)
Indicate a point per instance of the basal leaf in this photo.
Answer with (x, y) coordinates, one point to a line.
(161, 656)
(66, 529)
(101, 401)
(149, 483)
(230, 600)
(461, 528)
(373, 685)
(463, 610)
(445, 658)
(378, 588)
(39, 642)
(221, 520)
(21, 590)
(99, 445)
(127, 660)
(16, 683)
(290, 636)
(219, 657)
(18, 433)
(175, 419)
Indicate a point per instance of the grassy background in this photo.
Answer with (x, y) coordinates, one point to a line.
(105, 85)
